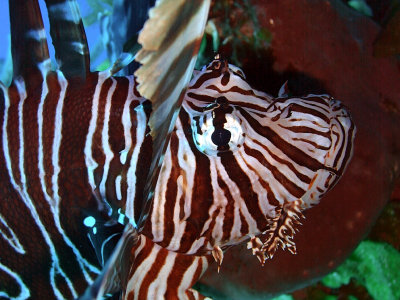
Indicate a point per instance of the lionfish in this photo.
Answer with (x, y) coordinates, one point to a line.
(128, 187)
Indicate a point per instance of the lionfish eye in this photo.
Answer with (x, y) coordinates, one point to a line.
(221, 137)
(213, 133)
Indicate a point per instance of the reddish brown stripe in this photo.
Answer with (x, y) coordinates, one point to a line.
(229, 210)
(199, 97)
(269, 196)
(67, 258)
(305, 129)
(236, 89)
(143, 165)
(203, 78)
(117, 142)
(309, 111)
(181, 264)
(115, 128)
(244, 228)
(225, 78)
(194, 107)
(314, 144)
(152, 274)
(170, 196)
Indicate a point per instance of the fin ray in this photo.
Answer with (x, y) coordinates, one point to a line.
(69, 37)
(29, 34)
(170, 41)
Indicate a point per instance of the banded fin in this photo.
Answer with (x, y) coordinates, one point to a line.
(69, 37)
(170, 39)
(28, 38)
(128, 26)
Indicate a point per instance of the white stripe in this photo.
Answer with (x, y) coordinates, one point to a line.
(45, 90)
(91, 164)
(5, 135)
(36, 34)
(24, 291)
(103, 245)
(118, 187)
(126, 121)
(20, 85)
(67, 10)
(78, 47)
(105, 139)
(157, 216)
(220, 202)
(10, 236)
(131, 175)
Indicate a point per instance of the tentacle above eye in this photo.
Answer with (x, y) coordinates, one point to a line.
(28, 38)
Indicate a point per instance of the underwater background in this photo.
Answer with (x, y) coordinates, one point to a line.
(349, 49)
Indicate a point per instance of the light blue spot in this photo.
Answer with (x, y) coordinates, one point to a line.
(121, 219)
(94, 230)
(89, 221)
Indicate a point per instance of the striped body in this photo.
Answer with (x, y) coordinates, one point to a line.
(50, 139)
(89, 188)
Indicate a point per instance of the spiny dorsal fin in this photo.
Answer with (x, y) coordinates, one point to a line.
(170, 39)
(69, 38)
(28, 37)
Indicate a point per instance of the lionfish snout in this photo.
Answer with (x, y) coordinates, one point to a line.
(321, 130)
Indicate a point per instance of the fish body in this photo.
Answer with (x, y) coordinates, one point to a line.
(106, 192)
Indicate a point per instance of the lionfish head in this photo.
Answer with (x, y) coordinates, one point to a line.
(298, 146)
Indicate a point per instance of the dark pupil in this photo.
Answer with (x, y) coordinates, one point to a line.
(221, 137)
